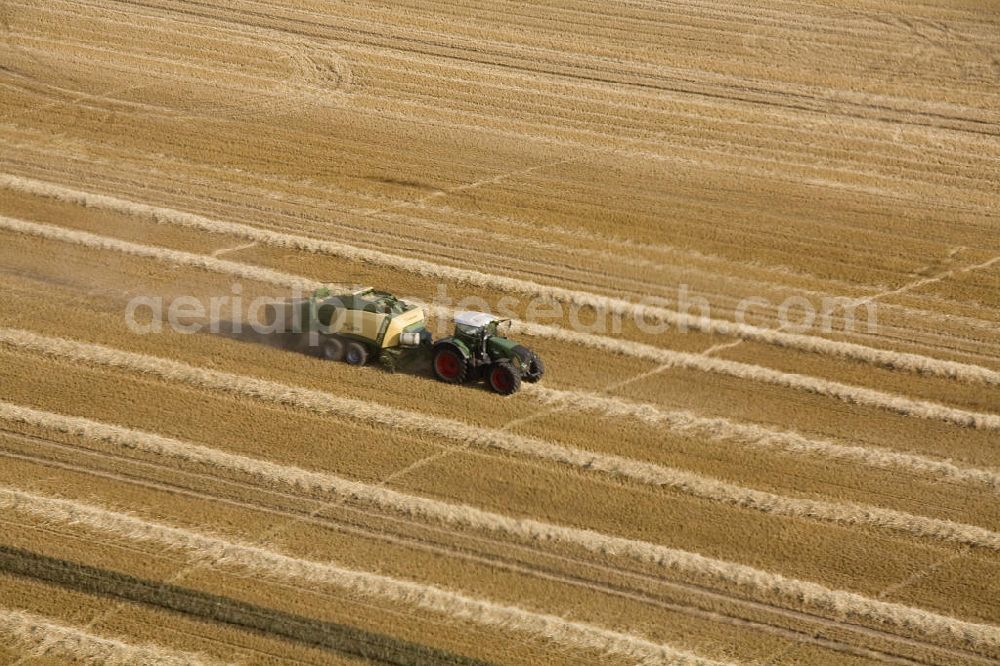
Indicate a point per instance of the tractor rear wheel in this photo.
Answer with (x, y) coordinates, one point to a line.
(536, 369)
(449, 365)
(333, 349)
(356, 354)
(504, 379)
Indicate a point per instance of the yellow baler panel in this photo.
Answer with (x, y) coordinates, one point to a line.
(398, 323)
(361, 322)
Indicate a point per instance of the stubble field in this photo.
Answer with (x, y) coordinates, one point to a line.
(677, 489)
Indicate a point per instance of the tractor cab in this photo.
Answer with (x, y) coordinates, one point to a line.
(476, 329)
(480, 349)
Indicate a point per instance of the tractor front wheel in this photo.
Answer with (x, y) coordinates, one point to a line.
(504, 379)
(449, 365)
(536, 369)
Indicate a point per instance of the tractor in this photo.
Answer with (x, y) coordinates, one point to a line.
(367, 324)
(480, 349)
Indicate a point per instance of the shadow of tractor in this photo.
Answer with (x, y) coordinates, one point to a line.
(417, 362)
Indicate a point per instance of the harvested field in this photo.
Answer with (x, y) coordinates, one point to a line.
(757, 246)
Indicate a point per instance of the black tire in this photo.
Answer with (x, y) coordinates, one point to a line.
(536, 369)
(503, 378)
(333, 349)
(355, 353)
(449, 365)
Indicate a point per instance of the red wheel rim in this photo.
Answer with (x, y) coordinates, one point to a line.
(502, 381)
(447, 365)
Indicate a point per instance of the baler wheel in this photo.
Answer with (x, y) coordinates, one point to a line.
(356, 354)
(333, 349)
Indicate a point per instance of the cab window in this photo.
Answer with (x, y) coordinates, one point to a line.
(465, 329)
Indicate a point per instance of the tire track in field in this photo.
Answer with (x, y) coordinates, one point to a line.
(39, 636)
(735, 91)
(323, 79)
(683, 321)
(163, 17)
(302, 83)
(341, 488)
(642, 593)
(845, 392)
(907, 171)
(621, 27)
(648, 149)
(547, 62)
(271, 564)
(917, 164)
(407, 222)
(328, 636)
(704, 160)
(726, 430)
(322, 203)
(275, 565)
(190, 489)
(319, 402)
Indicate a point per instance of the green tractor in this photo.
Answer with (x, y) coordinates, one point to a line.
(480, 349)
